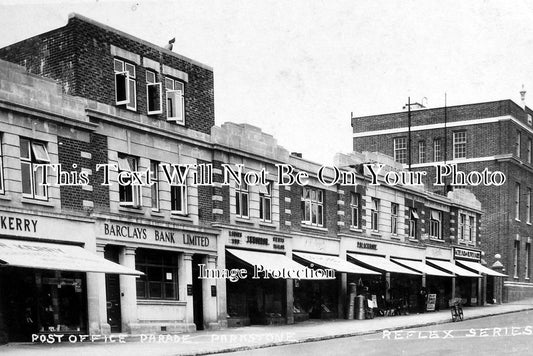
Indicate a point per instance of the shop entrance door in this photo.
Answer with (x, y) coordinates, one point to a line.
(197, 293)
(112, 284)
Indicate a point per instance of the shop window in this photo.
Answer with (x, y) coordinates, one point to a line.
(435, 224)
(516, 253)
(400, 150)
(160, 279)
(313, 206)
(355, 207)
(421, 151)
(265, 202)
(125, 84)
(517, 201)
(528, 261)
(178, 194)
(241, 200)
(154, 99)
(459, 144)
(394, 218)
(437, 150)
(518, 143)
(374, 215)
(33, 155)
(129, 195)
(154, 170)
(175, 91)
(412, 223)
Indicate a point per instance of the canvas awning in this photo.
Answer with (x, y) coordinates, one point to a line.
(269, 261)
(480, 268)
(421, 267)
(382, 264)
(55, 256)
(333, 262)
(448, 266)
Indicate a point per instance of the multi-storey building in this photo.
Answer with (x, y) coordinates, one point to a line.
(107, 251)
(479, 140)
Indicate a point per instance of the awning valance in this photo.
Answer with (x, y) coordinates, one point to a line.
(421, 267)
(333, 262)
(480, 268)
(382, 264)
(54, 256)
(269, 261)
(448, 266)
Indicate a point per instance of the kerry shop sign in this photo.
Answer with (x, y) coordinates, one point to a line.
(156, 235)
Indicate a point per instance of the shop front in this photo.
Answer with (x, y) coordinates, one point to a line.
(171, 295)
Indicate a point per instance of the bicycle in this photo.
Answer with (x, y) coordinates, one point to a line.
(456, 309)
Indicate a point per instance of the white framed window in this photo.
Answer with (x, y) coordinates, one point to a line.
(374, 214)
(437, 150)
(129, 195)
(154, 94)
(400, 150)
(472, 229)
(313, 206)
(421, 151)
(462, 227)
(242, 206)
(435, 224)
(528, 150)
(154, 189)
(517, 201)
(265, 202)
(529, 119)
(355, 207)
(528, 261)
(395, 208)
(33, 154)
(518, 143)
(459, 144)
(528, 206)
(516, 253)
(178, 194)
(175, 91)
(412, 223)
(125, 84)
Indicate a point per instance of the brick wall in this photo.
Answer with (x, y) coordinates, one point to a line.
(205, 201)
(223, 192)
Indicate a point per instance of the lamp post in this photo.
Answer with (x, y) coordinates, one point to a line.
(498, 281)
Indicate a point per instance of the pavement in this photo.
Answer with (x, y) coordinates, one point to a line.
(251, 337)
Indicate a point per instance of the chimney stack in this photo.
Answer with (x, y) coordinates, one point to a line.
(523, 97)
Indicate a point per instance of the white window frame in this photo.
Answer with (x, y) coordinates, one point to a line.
(411, 223)
(154, 189)
(265, 202)
(435, 224)
(518, 143)
(516, 253)
(38, 155)
(242, 200)
(400, 150)
(528, 150)
(517, 201)
(374, 214)
(313, 206)
(151, 85)
(527, 263)
(127, 70)
(528, 206)
(175, 101)
(421, 151)
(437, 150)
(131, 164)
(462, 227)
(394, 212)
(472, 229)
(181, 190)
(459, 144)
(355, 208)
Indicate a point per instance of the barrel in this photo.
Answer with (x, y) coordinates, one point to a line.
(360, 307)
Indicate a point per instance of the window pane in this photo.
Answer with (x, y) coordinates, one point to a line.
(40, 153)
(119, 65)
(24, 148)
(150, 77)
(155, 289)
(141, 288)
(132, 103)
(40, 189)
(169, 84)
(130, 68)
(26, 178)
(245, 204)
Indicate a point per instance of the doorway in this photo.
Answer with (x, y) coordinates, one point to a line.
(197, 292)
(112, 286)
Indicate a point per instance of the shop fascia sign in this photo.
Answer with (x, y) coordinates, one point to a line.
(367, 245)
(17, 224)
(466, 254)
(239, 238)
(162, 236)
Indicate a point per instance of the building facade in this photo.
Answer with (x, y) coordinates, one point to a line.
(476, 141)
(152, 216)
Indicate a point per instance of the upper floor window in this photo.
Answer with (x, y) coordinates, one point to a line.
(527, 260)
(175, 100)
(395, 208)
(459, 144)
(437, 150)
(472, 229)
(516, 253)
(32, 156)
(435, 224)
(241, 200)
(528, 206)
(517, 201)
(400, 150)
(265, 202)
(1, 168)
(160, 279)
(125, 84)
(313, 206)
(412, 223)
(374, 214)
(355, 207)
(421, 151)
(528, 150)
(529, 119)
(129, 194)
(178, 194)
(518, 143)
(462, 227)
(154, 100)
(154, 193)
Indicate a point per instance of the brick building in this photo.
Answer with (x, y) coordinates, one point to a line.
(132, 258)
(493, 136)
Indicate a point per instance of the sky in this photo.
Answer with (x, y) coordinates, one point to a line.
(300, 69)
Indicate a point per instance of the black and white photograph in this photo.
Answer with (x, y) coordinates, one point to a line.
(266, 177)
